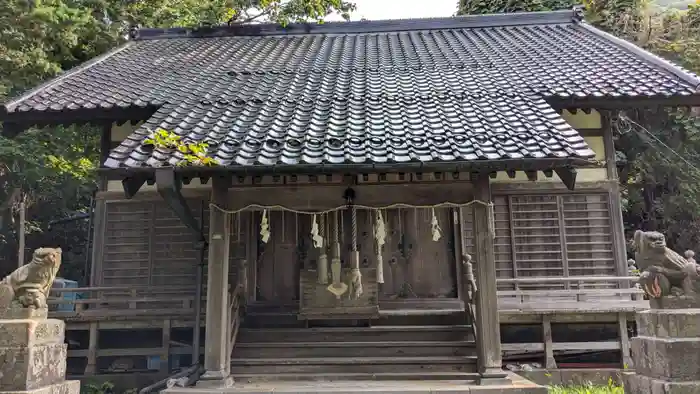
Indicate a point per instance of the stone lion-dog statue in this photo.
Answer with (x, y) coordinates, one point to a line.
(29, 285)
(664, 272)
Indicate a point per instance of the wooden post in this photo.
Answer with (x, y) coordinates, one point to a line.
(488, 330)
(91, 367)
(216, 368)
(549, 362)
(627, 362)
(21, 233)
(165, 353)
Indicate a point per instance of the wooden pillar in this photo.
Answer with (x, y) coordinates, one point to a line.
(618, 227)
(627, 362)
(91, 367)
(216, 360)
(549, 362)
(165, 352)
(488, 331)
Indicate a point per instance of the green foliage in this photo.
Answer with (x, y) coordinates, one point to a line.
(193, 153)
(54, 168)
(91, 388)
(610, 388)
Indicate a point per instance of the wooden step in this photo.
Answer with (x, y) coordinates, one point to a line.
(353, 365)
(335, 377)
(355, 349)
(357, 334)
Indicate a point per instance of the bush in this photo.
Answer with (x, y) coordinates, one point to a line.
(589, 388)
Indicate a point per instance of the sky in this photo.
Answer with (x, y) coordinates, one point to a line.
(400, 9)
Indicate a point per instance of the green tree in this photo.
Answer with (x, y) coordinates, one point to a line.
(54, 168)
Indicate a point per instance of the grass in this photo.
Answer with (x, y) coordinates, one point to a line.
(611, 388)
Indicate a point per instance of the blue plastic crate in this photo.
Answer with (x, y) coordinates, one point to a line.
(61, 283)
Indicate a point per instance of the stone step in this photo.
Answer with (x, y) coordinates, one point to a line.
(355, 349)
(357, 334)
(344, 377)
(352, 365)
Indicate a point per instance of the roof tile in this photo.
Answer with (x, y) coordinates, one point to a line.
(437, 94)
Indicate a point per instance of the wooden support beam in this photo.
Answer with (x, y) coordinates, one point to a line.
(91, 367)
(568, 176)
(487, 326)
(165, 353)
(132, 185)
(216, 366)
(627, 362)
(550, 362)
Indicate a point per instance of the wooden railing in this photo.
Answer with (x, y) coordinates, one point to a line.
(236, 308)
(123, 302)
(576, 293)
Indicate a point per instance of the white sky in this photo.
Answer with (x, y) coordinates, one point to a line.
(400, 9)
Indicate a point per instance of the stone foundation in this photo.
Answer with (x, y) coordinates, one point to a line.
(33, 357)
(666, 352)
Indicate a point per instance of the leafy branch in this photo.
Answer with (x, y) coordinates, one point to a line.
(193, 153)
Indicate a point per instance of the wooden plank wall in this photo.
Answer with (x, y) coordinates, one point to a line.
(537, 235)
(552, 235)
(145, 244)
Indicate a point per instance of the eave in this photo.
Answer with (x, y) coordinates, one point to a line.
(134, 178)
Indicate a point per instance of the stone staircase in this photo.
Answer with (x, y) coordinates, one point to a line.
(273, 346)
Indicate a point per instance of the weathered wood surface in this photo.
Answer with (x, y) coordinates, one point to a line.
(586, 295)
(317, 302)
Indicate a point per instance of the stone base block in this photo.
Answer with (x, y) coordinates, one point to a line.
(65, 387)
(638, 384)
(31, 368)
(676, 359)
(30, 332)
(675, 302)
(669, 323)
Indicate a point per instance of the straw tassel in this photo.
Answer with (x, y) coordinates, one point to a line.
(264, 227)
(435, 227)
(380, 236)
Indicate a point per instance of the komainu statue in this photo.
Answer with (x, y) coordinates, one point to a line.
(662, 271)
(29, 285)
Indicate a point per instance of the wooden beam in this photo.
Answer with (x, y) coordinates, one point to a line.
(216, 367)
(132, 185)
(169, 187)
(487, 326)
(550, 362)
(568, 176)
(91, 367)
(627, 362)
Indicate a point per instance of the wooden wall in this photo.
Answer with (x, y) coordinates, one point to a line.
(537, 234)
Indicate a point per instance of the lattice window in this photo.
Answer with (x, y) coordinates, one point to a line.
(537, 236)
(561, 235)
(589, 235)
(126, 245)
(549, 235)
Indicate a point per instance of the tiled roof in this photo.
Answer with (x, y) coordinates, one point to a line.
(466, 88)
(333, 131)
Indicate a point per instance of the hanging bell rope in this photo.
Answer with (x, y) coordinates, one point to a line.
(337, 287)
(264, 227)
(356, 275)
(380, 237)
(322, 267)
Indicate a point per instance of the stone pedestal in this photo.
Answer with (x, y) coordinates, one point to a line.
(33, 356)
(666, 352)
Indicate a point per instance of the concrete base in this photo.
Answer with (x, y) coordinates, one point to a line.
(517, 385)
(65, 387)
(640, 384)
